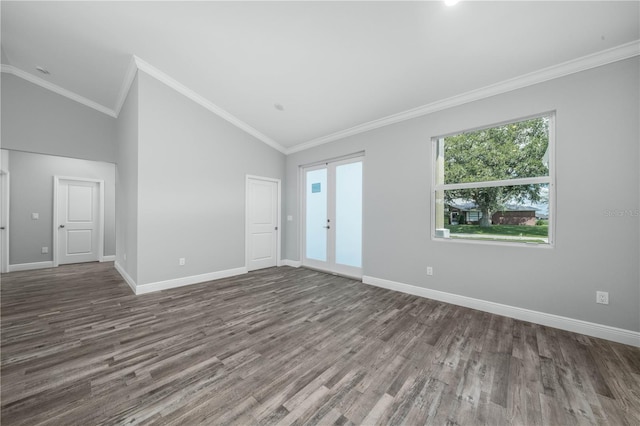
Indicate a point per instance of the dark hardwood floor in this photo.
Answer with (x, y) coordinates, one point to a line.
(290, 346)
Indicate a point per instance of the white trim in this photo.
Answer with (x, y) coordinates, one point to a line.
(292, 263)
(5, 181)
(9, 69)
(549, 180)
(30, 266)
(194, 279)
(278, 218)
(492, 183)
(139, 64)
(614, 54)
(205, 103)
(54, 245)
(334, 159)
(101, 209)
(620, 335)
(56, 184)
(127, 278)
(357, 277)
(502, 123)
(110, 258)
(501, 243)
(551, 230)
(604, 57)
(432, 191)
(129, 76)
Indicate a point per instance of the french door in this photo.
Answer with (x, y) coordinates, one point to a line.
(332, 217)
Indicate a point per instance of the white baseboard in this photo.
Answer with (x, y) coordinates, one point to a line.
(177, 282)
(194, 279)
(292, 263)
(30, 266)
(127, 278)
(110, 258)
(619, 335)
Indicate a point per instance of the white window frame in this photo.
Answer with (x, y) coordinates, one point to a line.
(550, 180)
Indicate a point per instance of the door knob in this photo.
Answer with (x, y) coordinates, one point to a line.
(1, 228)
(61, 226)
(327, 227)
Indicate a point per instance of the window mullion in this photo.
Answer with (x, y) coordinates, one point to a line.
(493, 183)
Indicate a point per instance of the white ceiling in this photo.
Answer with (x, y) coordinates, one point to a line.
(332, 65)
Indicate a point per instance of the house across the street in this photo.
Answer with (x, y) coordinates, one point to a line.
(469, 213)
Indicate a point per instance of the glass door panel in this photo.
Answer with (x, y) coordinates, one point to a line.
(316, 214)
(348, 223)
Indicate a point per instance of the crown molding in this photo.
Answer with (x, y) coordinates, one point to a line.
(180, 88)
(138, 64)
(129, 76)
(618, 53)
(9, 69)
(584, 63)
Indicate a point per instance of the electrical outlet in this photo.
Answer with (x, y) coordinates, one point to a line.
(429, 270)
(35, 216)
(45, 250)
(602, 297)
(182, 261)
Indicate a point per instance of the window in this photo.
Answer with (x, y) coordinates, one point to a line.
(495, 183)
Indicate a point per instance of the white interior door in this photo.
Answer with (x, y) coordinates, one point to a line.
(332, 206)
(78, 221)
(262, 223)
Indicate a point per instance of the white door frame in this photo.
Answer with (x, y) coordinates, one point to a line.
(246, 219)
(56, 184)
(333, 268)
(4, 261)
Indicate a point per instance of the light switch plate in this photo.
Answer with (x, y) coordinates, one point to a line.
(35, 216)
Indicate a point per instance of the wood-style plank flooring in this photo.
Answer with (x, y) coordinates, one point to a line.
(290, 346)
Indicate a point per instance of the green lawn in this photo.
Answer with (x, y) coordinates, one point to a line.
(512, 230)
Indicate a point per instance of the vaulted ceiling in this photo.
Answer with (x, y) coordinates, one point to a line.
(305, 72)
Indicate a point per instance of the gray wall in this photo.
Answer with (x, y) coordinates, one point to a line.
(597, 151)
(37, 120)
(31, 191)
(127, 184)
(191, 185)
